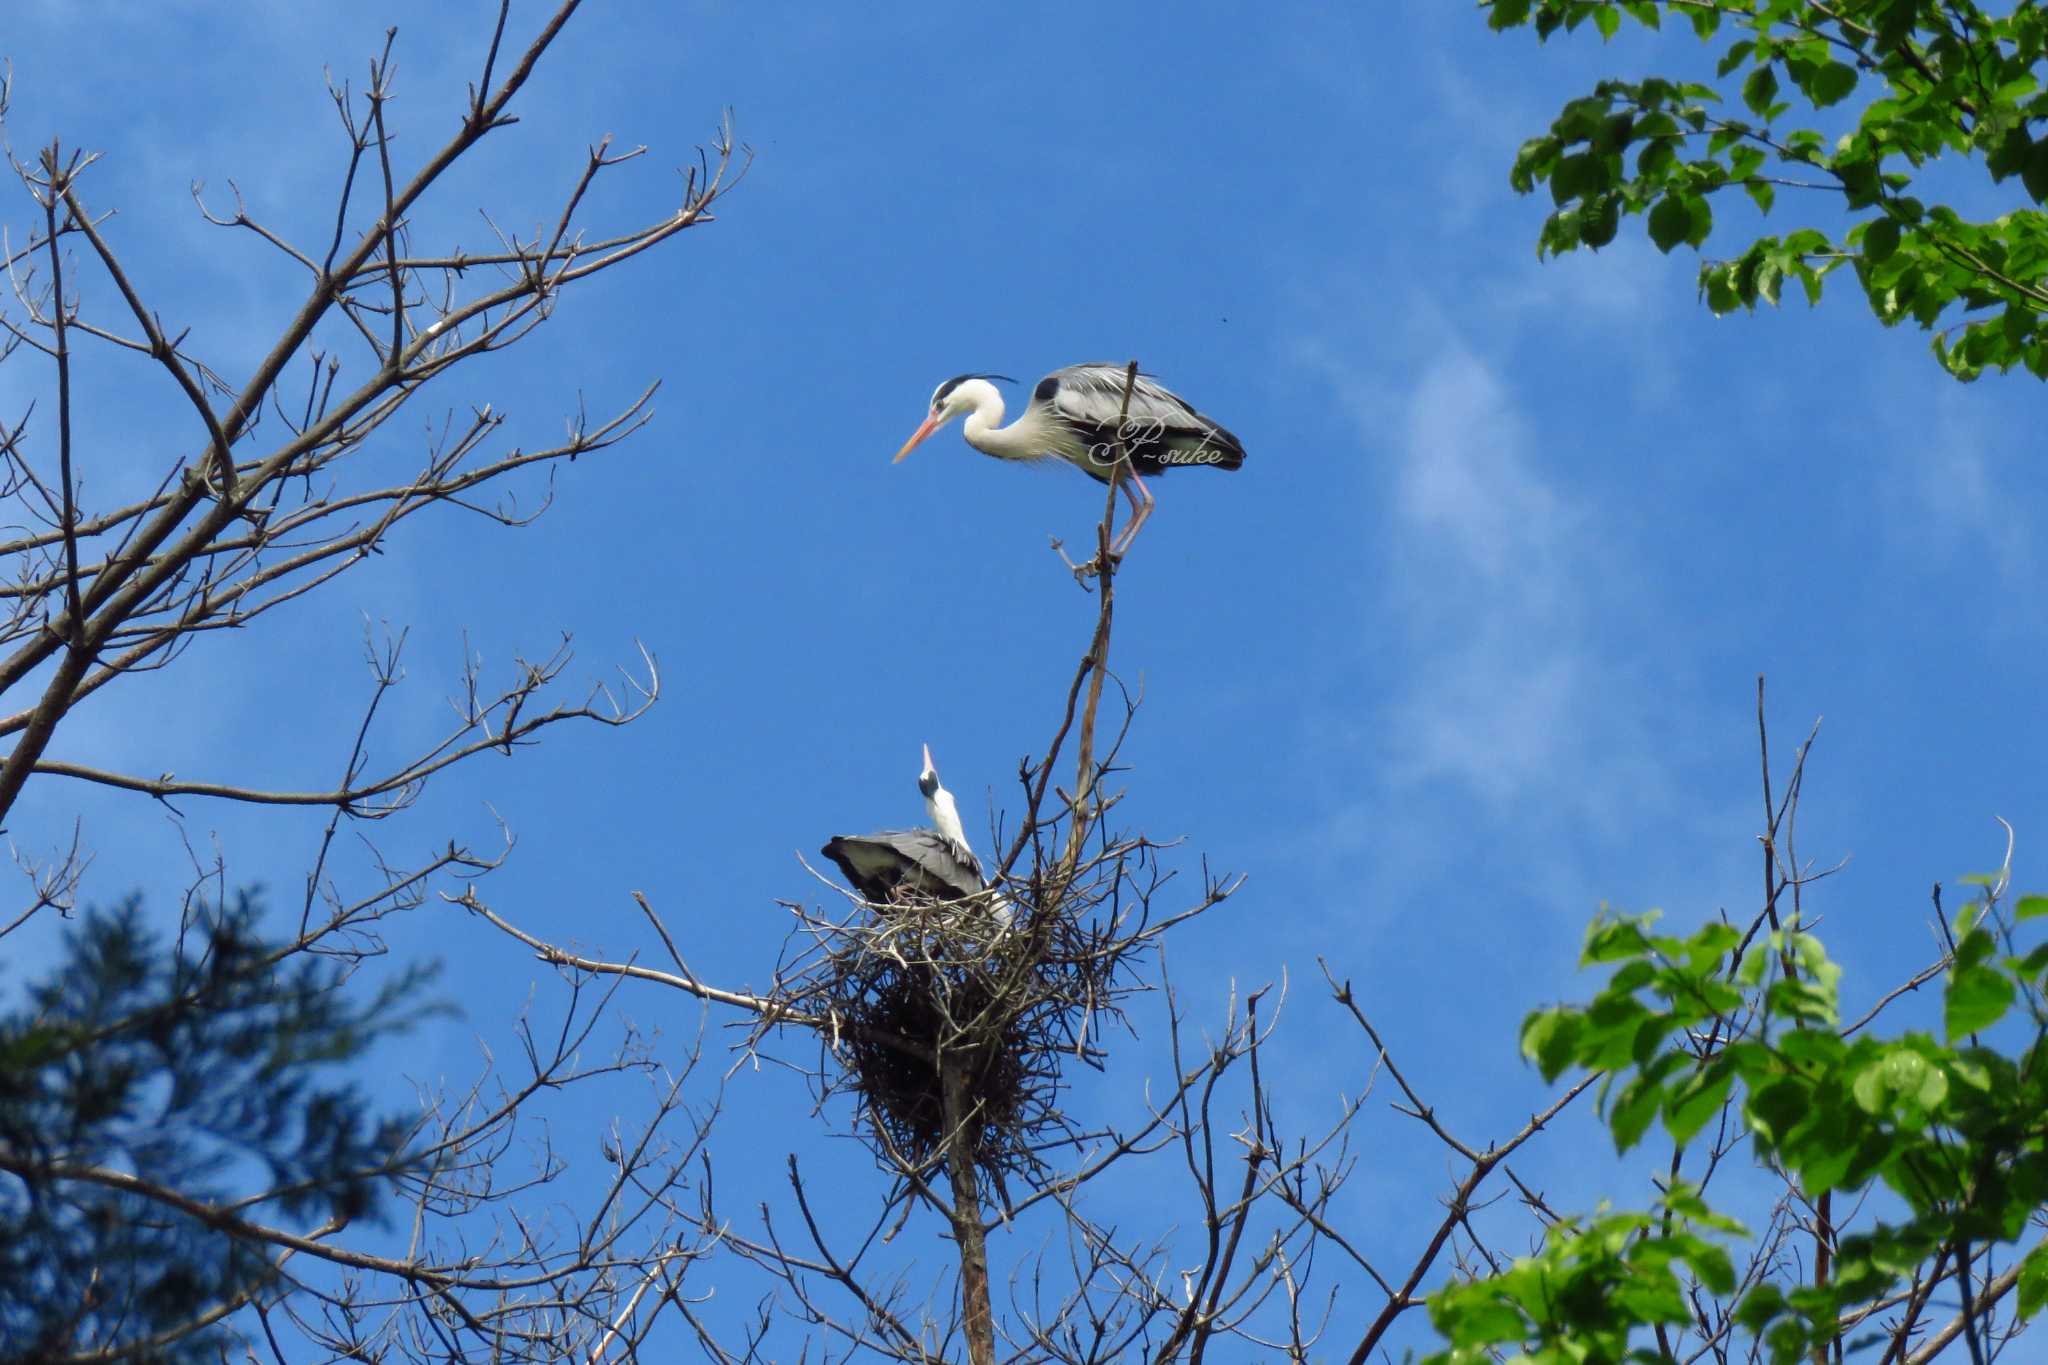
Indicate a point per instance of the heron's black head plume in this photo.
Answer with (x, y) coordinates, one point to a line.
(945, 390)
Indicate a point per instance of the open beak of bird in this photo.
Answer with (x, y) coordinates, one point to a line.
(930, 425)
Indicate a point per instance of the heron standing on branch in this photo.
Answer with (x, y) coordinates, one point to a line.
(935, 862)
(1079, 414)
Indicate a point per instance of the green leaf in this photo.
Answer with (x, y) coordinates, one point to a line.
(2034, 1281)
(1649, 1036)
(1773, 1109)
(1712, 943)
(1615, 133)
(1572, 176)
(1670, 222)
(1822, 1150)
(1632, 976)
(2030, 907)
(1831, 84)
(2008, 151)
(1560, 234)
(1978, 997)
(1633, 1111)
(1808, 1001)
(1601, 217)
(1971, 1072)
(1689, 1107)
(1702, 213)
(1508, 14)
(2034, 172)
(1980, 98)
(1974, 946)
(1708, 1261)
(1548, 1039)
(1614, 940)
(1906, 1072)
(1534, 161)
(1608, 1030)
(1684, 1200)
(1902, 1084)
(1473, 1321)
(1933, 1089)
(1655, 161)
(1759, 1306)
(1818, 1046)
(1759, 89)
(1768, 278)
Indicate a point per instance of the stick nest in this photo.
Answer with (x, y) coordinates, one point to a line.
(920, 989)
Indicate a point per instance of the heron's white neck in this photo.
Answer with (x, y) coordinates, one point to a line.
(945, 816)
(985, 432)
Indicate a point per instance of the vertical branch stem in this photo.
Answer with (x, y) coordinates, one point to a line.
(35, 736)
(74, 614)
(969, 1235)
(380, 95)
(1774, 887)
(1098, 649)
(1969, 1318)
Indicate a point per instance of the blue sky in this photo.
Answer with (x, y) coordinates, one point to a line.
(1467, 648)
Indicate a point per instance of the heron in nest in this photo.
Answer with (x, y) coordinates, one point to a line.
(935, 863)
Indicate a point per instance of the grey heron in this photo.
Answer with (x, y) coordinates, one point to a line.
(1078, 415)
(935, 862)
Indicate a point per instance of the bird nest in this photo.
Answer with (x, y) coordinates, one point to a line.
(921, 992)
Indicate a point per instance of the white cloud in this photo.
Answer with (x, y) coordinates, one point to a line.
(1492, 576)
(1542, 710)
(1483, 577)
(1465, 486)
(1961, 487)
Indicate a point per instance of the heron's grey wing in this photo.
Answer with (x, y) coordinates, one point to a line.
(949, 869)
(885, 864)
(871, 863)
(1159, 428)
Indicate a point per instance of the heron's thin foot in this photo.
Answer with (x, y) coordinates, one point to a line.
(1082, 572)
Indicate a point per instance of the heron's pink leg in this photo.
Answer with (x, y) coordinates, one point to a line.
(1141, 508)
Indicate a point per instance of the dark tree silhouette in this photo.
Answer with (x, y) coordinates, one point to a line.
(146, 1083)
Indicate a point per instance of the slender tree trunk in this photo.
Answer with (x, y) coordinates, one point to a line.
(967, 1227)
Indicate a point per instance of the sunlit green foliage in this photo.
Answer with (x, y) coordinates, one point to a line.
(1954, 1127)
(1908, 81)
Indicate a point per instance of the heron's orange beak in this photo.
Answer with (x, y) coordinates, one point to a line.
(930, 425)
